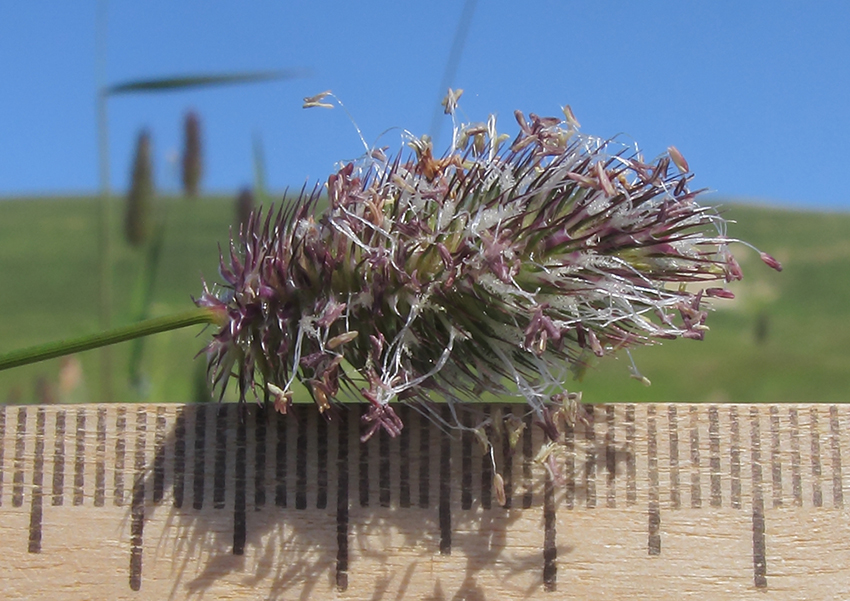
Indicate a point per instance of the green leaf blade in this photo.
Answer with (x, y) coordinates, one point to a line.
(185, 82)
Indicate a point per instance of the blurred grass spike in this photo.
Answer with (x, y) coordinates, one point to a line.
(192, 155)
(137, 220)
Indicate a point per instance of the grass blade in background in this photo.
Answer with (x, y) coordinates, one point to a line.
(105, 250)
(200, 384)
(259, 158)
(143, 299)
(183, 82)
(452, 62)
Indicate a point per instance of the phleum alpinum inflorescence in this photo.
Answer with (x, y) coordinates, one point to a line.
(500, 266)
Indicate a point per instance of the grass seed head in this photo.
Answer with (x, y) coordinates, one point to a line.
(140, 197)
(192, 155)
(498, 267)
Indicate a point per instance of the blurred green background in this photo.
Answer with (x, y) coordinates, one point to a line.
(786, 337)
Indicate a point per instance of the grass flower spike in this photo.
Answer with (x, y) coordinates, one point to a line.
(500, 266)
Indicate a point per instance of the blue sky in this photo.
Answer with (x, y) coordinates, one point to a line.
(755, 94)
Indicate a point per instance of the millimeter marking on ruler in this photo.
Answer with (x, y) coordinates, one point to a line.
(753, 458)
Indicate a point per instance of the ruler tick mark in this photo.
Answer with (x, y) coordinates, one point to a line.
(508, 463)
(240, 485)
(759, 543)
(673, 433)
(424, 462)
(80, 458)
(735, 458)
(570, 465)
(817, 492)
(714, 458)
(342, 507)
(775, 457)
(220, 469)
(796, 461)
(835, 446)
(301, 459)
(159, 456)
(322, 463)
(20, 449)
(590, 458)
(260, 419)
(466, 465)
(100, 459)
(487, 464)
(610, 458)
(631, 459)
(36, 507)
(280, 461)
(137, 506)
(654, 525)
(696, 487)
(364, 464)
(383, 468)
(445, 508)
(200, 456)
(179, 457)
(527, 457)
(120, 450)
(404, 459)
(550, 548)
(2, 448)
(59, 459)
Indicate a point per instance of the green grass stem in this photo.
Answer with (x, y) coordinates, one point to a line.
(51, 350)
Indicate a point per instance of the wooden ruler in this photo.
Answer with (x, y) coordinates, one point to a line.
(653, 501)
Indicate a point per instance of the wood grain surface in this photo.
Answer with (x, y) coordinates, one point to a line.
(659, 501)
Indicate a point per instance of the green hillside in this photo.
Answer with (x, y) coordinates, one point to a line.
(785, 338)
